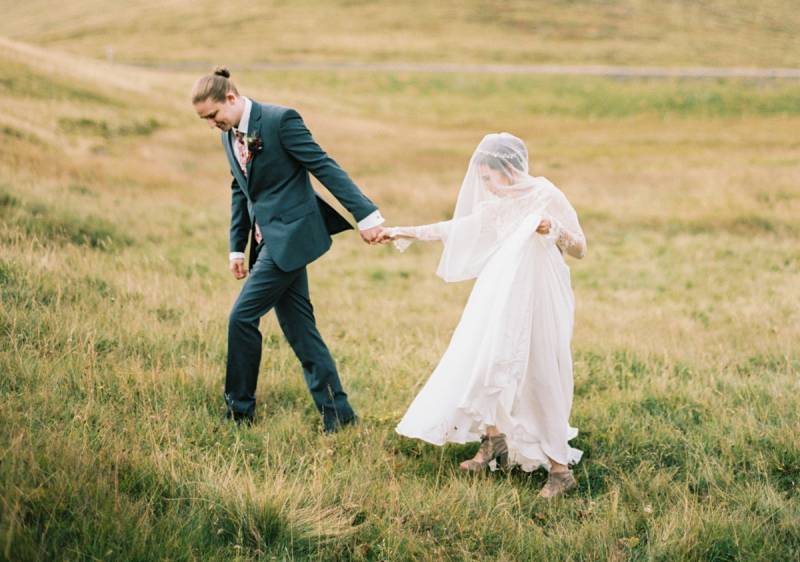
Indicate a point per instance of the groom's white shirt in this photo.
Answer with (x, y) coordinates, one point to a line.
(370, 221)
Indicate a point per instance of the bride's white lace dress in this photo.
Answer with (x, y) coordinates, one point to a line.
(509, 362)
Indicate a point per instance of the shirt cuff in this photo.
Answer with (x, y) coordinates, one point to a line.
(236, 256)
(371, 221)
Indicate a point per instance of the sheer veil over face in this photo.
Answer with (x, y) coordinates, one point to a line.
(498, 168)
(496, 193)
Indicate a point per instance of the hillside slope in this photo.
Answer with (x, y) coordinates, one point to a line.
(624, 32)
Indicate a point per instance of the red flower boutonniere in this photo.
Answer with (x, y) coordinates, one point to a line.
(254, 146)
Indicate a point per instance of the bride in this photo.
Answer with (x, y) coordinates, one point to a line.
(506, 377)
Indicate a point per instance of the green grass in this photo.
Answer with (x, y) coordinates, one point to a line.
(47, 226)
(114, 294)
(510, 97)
(85, 125)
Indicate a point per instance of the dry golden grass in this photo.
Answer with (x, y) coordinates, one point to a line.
(625, 32)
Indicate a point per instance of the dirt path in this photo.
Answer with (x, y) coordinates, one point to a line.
(544, 69)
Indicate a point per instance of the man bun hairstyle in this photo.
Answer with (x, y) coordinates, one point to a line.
(214, 86)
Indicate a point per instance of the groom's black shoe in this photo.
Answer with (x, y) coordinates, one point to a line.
(239, 419)
(334, 424)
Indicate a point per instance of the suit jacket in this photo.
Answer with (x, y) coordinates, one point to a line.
(296, 224)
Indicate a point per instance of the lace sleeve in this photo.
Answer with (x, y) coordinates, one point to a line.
(405, 235)
(573, 243)
(566, 230)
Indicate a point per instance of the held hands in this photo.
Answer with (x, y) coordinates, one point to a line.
(400, 236)
(390, 235)
(383, 236)
(393, 234)
(374, 235)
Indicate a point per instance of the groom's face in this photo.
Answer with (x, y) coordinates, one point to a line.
(224, 115)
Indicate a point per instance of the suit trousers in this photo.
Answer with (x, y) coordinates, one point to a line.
(269, 287)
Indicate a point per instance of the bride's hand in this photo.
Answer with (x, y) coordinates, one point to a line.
(398, 234)
(544, 227)
(385, 237)
(391, 234)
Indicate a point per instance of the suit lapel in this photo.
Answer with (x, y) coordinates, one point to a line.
(253, 130)
(237, 171)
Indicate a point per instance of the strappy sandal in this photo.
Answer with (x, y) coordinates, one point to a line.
(558, 483)
(492, 448)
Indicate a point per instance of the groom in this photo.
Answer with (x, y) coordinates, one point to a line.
(271, 152)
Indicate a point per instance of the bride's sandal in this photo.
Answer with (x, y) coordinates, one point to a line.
(492, 448)
(558, 483)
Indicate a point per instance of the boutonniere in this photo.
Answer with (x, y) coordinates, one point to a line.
(254, 146)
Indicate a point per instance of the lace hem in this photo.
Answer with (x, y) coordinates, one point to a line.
(470, 420)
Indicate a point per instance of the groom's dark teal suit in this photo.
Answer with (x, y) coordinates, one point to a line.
(296, 225)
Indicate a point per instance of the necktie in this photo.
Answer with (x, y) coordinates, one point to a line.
(241, 151)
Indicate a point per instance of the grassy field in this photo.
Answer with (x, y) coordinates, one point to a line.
(115, 293)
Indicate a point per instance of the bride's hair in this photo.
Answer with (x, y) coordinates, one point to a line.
(214, 86)
(509, 155)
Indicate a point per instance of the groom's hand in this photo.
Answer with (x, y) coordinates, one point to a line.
(237, 268)
(372, 235)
